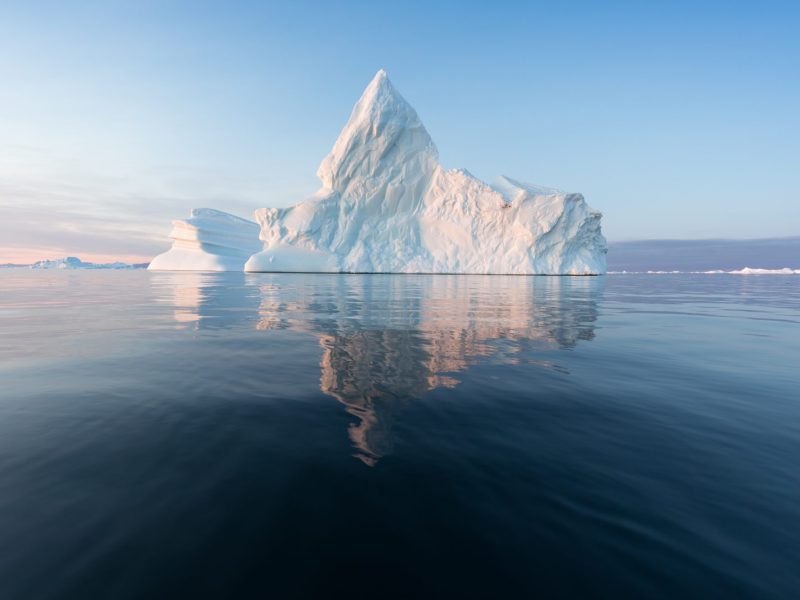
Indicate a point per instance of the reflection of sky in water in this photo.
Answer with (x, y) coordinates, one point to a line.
(383, 339)
(530, 425)
(387, 339)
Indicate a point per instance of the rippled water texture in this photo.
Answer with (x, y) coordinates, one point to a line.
(207, 435)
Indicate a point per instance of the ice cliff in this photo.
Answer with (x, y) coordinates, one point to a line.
(387, 206)
(209, 240)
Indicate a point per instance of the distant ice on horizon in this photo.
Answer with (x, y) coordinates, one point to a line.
(744, 271)
(705, 256)
(72, 262)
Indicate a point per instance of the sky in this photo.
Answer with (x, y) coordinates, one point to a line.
(675, 119)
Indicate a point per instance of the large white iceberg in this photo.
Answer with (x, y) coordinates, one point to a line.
(388, 206)
(209, 240)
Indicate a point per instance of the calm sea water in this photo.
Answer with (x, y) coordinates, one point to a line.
(207, 435)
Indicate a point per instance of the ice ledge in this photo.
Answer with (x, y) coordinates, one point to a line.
(209, 240)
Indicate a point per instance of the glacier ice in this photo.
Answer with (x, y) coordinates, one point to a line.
(209, 240)
(387, 206)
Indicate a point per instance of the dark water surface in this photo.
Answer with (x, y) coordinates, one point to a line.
(229, 435)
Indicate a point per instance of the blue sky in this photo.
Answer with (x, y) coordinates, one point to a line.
(676, 120)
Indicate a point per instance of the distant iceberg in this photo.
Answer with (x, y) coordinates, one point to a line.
(705, 255)
(743, 271)
(752, 271)
(388, 206)
(72, 262)
(209, 240)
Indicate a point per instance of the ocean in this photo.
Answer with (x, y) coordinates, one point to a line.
(199, 435)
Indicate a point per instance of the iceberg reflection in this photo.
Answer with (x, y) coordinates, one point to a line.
(206, 300)
(388, 339)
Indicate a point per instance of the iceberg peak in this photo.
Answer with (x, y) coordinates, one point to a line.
(384, 139)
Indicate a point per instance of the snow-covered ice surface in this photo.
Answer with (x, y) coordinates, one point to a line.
(388, 206)
(209, 240)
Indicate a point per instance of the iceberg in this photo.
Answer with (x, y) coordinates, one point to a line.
(387, 206)
(209, 240)
(743, 271)
(752, 271)
(73, 262)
